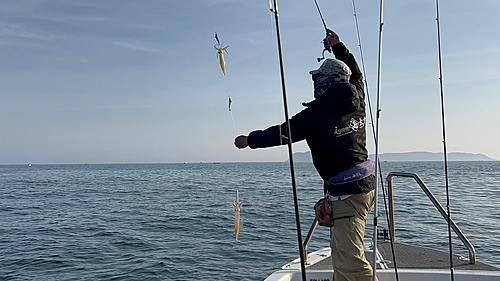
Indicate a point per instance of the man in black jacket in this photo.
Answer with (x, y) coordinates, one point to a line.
(333, 125)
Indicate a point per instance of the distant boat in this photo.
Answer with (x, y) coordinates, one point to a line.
(29, 165)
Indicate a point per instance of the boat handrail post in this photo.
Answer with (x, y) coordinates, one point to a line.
(439, 207)
(309, 237)
(392, 227)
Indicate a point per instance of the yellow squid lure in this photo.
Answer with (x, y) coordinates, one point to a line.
(220, 53)
(237, 207)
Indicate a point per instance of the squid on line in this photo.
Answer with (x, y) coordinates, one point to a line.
(220, 54)
(237, 207)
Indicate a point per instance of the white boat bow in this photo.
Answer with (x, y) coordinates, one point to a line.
(414, 264)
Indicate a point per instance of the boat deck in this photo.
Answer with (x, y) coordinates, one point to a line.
(411, 257)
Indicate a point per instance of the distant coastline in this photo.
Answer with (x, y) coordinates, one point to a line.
(411, 156)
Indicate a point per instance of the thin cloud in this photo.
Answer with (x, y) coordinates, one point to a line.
(138, 46)
(18, 32)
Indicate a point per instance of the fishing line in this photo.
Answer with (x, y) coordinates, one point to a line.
(289, 141)
(373, 130)
(230, 102)
(452, 270)
(224, 78)
(234, 128)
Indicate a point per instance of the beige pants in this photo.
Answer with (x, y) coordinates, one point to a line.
(348, 257)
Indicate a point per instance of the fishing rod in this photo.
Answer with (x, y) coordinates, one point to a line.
(376, 131)
(289, 138)
(373, 131)
(327, 45)
(452, 270)
(377, 163)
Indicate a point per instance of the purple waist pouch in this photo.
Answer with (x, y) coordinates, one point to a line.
(360, 171)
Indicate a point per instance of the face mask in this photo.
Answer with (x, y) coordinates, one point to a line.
(322, 84)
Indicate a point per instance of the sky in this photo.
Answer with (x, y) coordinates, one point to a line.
(122, 81)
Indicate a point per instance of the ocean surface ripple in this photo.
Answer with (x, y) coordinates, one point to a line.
(176, 222)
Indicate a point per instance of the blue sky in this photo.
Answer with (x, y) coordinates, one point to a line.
(121, 81)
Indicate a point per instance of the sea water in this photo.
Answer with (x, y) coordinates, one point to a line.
(176, 222)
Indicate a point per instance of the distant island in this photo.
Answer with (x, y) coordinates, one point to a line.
(410, 156)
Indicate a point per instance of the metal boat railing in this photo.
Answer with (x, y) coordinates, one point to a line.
(465, 241)
(463, 238)
(309, 237)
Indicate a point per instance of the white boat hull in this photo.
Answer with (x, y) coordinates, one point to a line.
(389, 275)
(318, 267)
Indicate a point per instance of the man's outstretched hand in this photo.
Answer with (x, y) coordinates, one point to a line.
(241, 141)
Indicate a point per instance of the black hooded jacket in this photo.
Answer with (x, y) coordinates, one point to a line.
(333, 126)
